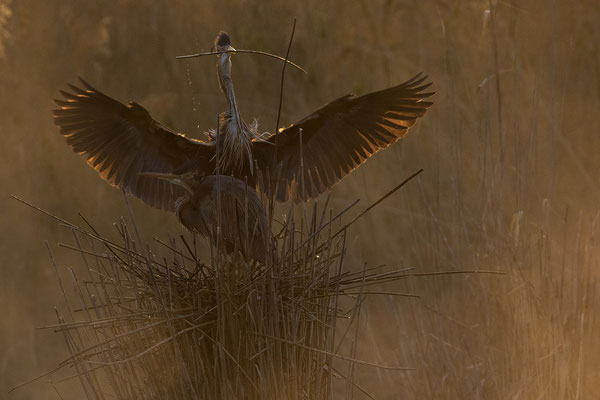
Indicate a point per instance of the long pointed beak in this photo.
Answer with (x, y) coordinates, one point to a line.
(228, 48)
(172, 178)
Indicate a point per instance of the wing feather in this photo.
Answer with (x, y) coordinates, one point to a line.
(342, 135)
(120, 141)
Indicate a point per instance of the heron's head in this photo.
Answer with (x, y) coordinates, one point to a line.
(223, 43)
(188, 180)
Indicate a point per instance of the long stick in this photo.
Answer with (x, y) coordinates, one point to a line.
(404, 182)
(262, 53)
(287, 54)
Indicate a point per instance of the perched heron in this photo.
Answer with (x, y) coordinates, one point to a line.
(121, 141)
(224, 201)
(237, 135)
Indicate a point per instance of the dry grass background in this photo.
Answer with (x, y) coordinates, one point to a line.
(509, 151)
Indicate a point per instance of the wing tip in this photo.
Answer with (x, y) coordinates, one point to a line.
(66, 95)
(76, 89)
(59, 103)
(86, 84)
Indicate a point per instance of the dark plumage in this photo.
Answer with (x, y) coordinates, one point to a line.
(242, 218)
(120, 141)
(342, 135)
(222, 40)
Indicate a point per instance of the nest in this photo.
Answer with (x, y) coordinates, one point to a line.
(157, 323)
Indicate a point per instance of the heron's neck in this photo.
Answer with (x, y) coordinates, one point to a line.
(237, 138)
(180, 203)
(226, 84)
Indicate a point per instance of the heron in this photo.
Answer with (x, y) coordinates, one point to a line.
(302, 160)
(226, 203)
(237, 135)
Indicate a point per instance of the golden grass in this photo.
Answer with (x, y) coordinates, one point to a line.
(144, 323)
(509, 152)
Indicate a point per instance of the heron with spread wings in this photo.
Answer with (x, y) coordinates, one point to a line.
(121, 141)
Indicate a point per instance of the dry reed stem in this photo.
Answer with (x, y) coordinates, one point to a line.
(146, 325)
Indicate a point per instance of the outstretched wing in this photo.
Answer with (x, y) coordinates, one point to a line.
(120, 141)
(340, 136)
